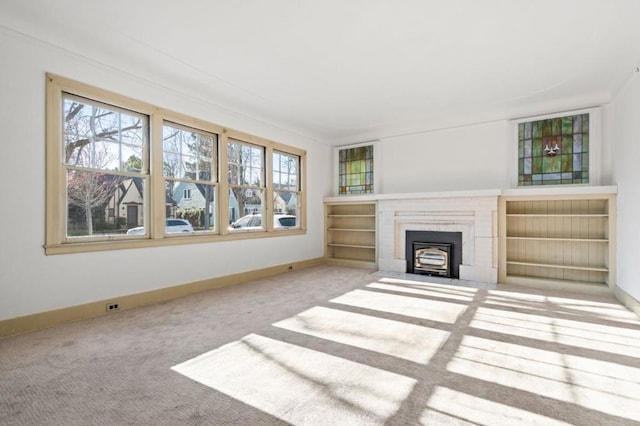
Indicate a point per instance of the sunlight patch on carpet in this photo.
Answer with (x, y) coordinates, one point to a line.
(447, 406)
(299, 385)
(563, 305)
(415, 307)
(407, 341)
(429, 290)
(583, 334)
(608, 387)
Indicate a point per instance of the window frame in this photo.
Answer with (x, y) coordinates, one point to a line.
(81, 167)
(213, 180)
(296, 191)
(249, 187)
(56, 241)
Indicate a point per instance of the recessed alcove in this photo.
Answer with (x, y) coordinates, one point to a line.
(435, 238)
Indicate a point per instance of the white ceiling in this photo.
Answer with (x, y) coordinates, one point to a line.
(354, 70)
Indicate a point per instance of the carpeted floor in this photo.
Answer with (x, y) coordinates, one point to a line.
(335, 346)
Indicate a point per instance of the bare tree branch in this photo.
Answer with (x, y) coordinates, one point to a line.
(81, 143)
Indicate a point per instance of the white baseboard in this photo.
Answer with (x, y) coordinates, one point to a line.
(55, 317)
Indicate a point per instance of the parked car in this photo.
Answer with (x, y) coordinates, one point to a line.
(254, 221)
(171, 226)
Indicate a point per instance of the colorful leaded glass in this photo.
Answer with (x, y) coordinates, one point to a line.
(355, 175)
(554, 151)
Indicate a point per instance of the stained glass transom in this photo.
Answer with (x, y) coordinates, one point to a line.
(554, 151)
(356, 170)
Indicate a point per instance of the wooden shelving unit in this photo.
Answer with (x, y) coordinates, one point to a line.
(351, 233)
(557, 239)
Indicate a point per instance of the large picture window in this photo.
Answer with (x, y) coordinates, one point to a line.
(122, 173)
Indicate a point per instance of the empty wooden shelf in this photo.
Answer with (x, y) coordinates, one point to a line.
(350, 233)
(561, 239)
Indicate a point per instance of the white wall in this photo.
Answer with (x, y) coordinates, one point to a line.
(468, 157)
(461, 158)
(31, 282)
(626, 174)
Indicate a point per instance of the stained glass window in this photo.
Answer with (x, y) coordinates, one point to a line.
(554, 151)
(355, 175)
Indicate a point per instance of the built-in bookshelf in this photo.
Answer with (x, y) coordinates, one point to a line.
(558, 239)
(351, 233)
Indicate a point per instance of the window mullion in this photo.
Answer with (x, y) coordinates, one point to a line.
(268, 187)
(223, 182)
(157, 186)
(302, 191)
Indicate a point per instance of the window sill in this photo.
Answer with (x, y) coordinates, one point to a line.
(84, 247)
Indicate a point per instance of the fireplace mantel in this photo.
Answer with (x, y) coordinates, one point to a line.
(414, 195)
(525, 191)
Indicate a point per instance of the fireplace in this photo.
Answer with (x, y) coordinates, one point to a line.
(434, 253)
(432, 259)
(471, 214)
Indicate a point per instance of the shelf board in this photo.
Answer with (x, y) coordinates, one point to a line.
(351, 230)
(359, 263)
(592, 287)
(550, 265)
(557, 215)
(575, 240)
(351, 215)
(351, 246)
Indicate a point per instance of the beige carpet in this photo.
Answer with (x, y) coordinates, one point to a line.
(335, 346)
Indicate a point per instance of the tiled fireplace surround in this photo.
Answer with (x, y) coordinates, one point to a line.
(474, 213)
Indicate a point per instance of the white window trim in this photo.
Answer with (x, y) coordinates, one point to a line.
(595, 146)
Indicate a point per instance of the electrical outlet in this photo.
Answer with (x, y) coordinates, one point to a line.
(112, 307)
